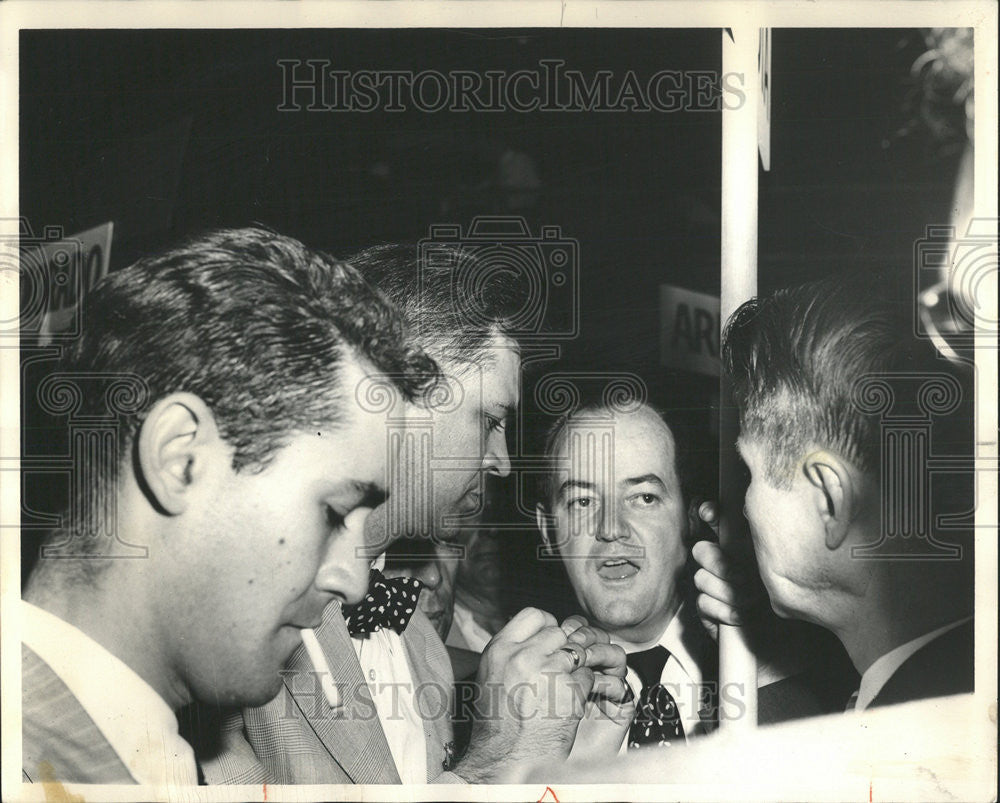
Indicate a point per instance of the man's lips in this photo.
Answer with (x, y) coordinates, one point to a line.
(472, 496)
(617, 568)
(303, 626)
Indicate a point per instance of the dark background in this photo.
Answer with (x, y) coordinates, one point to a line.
(171, 132)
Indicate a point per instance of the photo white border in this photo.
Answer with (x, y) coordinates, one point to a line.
(982, 16)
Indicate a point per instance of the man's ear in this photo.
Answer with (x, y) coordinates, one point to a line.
(834, 494)
(544, 522)
(177, 442)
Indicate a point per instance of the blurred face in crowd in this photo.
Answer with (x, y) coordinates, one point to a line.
(258, 556)
(618, 521)
(480, 573)
(409, 558)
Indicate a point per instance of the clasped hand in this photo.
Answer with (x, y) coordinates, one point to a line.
(537, 680)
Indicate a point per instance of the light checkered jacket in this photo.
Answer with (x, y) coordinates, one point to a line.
(60, 742)
(297, 739)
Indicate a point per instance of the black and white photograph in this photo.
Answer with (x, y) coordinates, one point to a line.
(531, 401)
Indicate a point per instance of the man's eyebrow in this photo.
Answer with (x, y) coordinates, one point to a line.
(575, 484)
(644, 478)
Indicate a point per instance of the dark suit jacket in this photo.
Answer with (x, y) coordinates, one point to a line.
(60, 742)
(942, 667)
(298, 739)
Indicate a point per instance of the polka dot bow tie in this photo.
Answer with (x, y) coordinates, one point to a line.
(390, 603)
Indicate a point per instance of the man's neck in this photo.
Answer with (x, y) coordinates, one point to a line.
(646, 635)
(115, 621)
(905, 601)
(485, 612)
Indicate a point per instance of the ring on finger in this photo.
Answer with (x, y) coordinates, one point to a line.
(574, 654)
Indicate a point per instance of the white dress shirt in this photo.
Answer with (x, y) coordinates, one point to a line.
(138, 724)
(466, 632)
(681, 673)
(387, 672)
(878, 674)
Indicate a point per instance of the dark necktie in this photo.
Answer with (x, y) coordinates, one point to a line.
(390, 603)
(657, 719)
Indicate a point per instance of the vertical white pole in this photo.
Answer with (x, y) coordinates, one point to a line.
(737, 663)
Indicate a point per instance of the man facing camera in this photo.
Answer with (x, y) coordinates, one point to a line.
(846, 528)
(615, 510)
(228, 511)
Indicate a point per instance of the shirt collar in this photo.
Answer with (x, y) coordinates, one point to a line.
(878, 674)
(683, 639)
(136, 721)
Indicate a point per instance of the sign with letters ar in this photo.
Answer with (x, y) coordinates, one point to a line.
(689, 330)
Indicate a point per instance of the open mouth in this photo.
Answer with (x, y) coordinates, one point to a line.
(617, 569)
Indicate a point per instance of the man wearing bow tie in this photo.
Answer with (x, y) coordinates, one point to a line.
(371, 701)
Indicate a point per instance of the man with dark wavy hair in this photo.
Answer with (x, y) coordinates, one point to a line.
(838, 400)
(228, 511)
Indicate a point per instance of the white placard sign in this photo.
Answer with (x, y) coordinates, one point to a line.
(689, 330)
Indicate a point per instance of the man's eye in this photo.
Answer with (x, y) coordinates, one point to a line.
(645, 500)
(580, 502)
(494, 424)
(334, 520)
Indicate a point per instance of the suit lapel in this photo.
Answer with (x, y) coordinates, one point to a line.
(351, 734)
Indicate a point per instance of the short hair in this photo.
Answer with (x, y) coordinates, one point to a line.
(686, 465)
(794, 357)
(440, 312)
(254, 323)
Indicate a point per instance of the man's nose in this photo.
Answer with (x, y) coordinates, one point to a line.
(612, 525)
(497, 459)
(430, 575)
(347, 564)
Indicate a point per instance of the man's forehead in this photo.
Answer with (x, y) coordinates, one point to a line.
(589, 450)
(747, 446)
(494, 380)
(640, 431)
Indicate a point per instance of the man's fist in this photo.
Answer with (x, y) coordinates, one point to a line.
(611, 706)
(535, 679)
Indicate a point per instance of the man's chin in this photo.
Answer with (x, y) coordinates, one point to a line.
(779, 604)
(262, 693)
(616, 616)
(254, 693)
